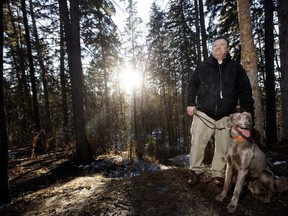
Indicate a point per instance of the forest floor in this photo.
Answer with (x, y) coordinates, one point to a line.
(52, 185)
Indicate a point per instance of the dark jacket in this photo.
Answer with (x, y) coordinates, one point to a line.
(215, 89)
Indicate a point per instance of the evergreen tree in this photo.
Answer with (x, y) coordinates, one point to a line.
(71, 17)
(271, 126)
(4, 179)
(249, 62)
(283, 40)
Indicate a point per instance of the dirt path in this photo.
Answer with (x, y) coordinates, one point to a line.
(53, 186)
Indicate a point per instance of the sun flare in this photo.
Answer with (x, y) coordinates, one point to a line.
(130, 79)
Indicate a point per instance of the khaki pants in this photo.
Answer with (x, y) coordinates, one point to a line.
(202, 129)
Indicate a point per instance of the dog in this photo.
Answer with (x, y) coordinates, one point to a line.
(247, 159)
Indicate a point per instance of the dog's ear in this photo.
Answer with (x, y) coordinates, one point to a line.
(228, 122)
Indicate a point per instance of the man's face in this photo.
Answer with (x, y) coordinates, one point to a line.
(220, 49)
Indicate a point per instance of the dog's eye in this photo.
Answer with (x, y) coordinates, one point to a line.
(248, 119)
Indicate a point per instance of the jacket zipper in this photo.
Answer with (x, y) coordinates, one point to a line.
(220, 80)
(220, 85)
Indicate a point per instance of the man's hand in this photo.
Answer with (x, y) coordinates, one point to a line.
(191, 110)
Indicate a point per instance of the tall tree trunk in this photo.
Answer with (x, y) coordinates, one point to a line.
(283, 38)
(25, 113)
(135, 123)
(197, 24)
(185, 121)
(107, 99)
(143, 132)
(271, 125)
(203, 30)
(107, 125)
(83, 153)
(4, 180)
(249, 62)
(47, 122)
(63, 82)
(37, 133)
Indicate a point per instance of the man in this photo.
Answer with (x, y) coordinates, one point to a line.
(214, 89)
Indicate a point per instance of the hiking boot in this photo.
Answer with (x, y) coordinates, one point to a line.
(193, 178)
(218, 181)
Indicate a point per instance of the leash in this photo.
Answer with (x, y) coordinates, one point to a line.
(205, 120)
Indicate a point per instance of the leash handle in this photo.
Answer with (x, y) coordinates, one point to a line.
(205, 120)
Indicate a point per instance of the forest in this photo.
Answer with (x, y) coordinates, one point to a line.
(73, 81)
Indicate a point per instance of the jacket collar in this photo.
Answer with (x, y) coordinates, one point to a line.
(212, 60)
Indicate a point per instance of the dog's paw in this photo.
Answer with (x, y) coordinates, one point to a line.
(220, 197)
(231, 207)
(264, 197)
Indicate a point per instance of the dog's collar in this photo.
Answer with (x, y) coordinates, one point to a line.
(239, 138)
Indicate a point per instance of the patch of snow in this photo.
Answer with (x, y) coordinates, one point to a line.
(276, 163)
(117, 166)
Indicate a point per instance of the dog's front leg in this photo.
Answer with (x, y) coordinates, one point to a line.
(237, 191)
(228, 178)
